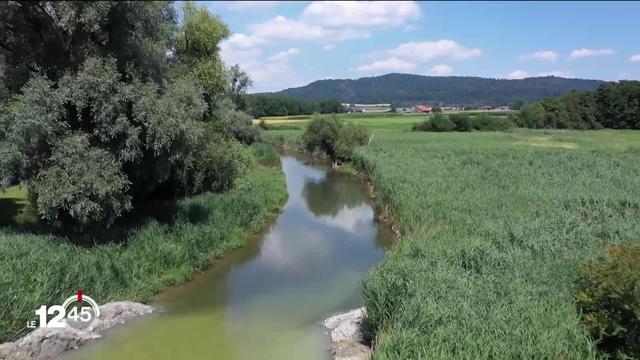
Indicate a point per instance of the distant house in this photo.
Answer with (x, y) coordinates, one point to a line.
(422, 109)
(370, 108)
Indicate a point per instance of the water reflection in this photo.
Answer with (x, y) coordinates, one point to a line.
(266, 300)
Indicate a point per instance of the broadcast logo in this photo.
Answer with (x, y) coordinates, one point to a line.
(78, 312)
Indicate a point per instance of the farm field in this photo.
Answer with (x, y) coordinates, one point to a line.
(372, 121)
(494, 229)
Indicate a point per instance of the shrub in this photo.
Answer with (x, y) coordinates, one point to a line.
(351, 136)
(486, 122)
(609, 299)
(239, 126)
(94, 191)
(437, 123)
(322, 134)
(325, 133)
(462, 122)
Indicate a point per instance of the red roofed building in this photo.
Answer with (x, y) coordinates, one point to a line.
(422, 108)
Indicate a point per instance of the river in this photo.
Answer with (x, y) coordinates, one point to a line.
(267, 300)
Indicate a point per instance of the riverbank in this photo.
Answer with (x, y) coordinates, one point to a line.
(37, 269)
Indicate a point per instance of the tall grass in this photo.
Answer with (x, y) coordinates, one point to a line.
(494, 227)
(36, 269)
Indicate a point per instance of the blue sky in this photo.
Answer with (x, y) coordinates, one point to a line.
(287, 44)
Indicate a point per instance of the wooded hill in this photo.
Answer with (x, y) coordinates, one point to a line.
(407, 89)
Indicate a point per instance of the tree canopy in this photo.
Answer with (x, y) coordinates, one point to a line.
(109, 102)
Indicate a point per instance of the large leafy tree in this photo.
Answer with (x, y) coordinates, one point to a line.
(54, 37)
(110, 103)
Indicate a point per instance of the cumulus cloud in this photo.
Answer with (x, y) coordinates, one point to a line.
(584, 53)
(429, 50)
(515, 74)
(323, 23)
(558, 73)
(441, 70)
(360, 14)
(391, 64)
(284, 55)
(544, 55)
(635, 58)
(250, 5)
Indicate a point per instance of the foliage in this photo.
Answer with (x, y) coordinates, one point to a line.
(214, 165)
(493, 230)
(462, 122)
(351, 136)
(272, 105)
(55, 36)
(322, 134)
(197, 47)
(239, 83)
(240, 126)
(408, 90)
(609, 300)
(265, 155)
(336, 140)
(152, 257)
(612, 105)
(486, 122)
(94, 191)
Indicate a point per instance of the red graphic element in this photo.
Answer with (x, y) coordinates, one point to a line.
(79, 295)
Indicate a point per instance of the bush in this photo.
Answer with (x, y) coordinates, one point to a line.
(437, 123)
(609, 300)
(351, 136)
(325, 133)
(239, 126)
(94, 191)
(486, 122)
(462, 122)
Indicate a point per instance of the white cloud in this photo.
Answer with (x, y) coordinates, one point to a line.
(441, 70)
(544, 55)
(635, 58)
(428, 50)
(282, 29)
(360, 14)
(516, 74)
(242, 41)
(284, 55)
(584, 53)
(558, 73)
(623, 76)
(391, 64)
(250, 5)
(410, 28)
(328, 47)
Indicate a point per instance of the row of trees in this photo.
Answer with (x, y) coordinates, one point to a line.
(274, 105)
(612, 105)
(108, 102)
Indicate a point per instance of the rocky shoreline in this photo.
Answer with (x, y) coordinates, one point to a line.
(347, 340)
(51, 343)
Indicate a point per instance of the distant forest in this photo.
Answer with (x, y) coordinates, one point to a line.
(406, 89)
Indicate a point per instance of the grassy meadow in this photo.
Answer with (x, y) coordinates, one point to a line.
(494, 229)
(38, 269)
(386, 121)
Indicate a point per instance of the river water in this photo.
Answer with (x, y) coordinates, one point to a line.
(267, 300)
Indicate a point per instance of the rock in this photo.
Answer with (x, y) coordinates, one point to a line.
(50, 343)
(347, 341)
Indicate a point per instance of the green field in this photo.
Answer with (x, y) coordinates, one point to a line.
(43, 269)
(494, 227)
(386, 121)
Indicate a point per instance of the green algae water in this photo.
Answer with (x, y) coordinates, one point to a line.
(267, 300)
